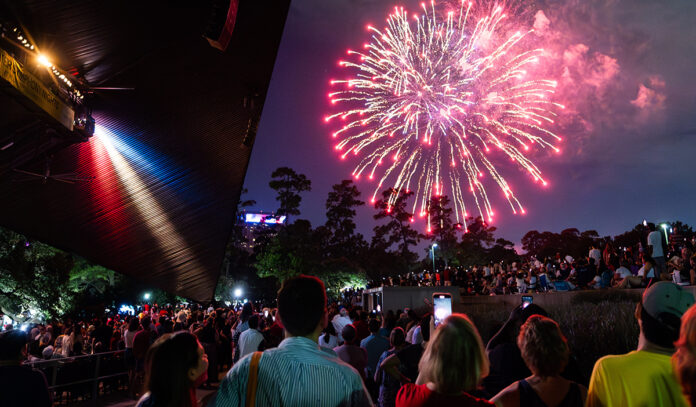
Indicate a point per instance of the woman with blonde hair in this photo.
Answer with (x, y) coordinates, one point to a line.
(684, 359)
(545, 351)
(453, 363)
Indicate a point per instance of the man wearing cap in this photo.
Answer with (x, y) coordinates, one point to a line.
(644, 377)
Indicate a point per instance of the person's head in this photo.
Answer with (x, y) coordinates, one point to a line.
(247, 311)
(454, 359)
(660, 310)
(174, 363)
(12, 345)
(397, 337)
(374, 326)
(543, 346)
(254, 321)
(133, 324)
(651, 226)
(145, 322)
(302, 305)
(343, 311)
(684, 359)
(349, 334)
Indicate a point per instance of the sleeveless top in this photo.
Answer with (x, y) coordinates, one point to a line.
(529, 398)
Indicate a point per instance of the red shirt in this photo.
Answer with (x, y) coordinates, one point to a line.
(419, 395)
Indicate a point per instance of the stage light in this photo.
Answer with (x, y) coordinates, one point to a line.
(43, 60)
(237, 292)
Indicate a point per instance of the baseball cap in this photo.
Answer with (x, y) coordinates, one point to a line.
(665, 300)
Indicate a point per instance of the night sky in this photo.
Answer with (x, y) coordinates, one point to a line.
(626, 72)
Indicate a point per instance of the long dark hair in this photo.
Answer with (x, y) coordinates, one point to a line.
(167, 364)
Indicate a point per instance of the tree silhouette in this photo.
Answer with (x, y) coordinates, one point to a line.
(288, 185)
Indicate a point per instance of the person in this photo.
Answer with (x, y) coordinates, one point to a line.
(175, 365)
(655, 241)
(620, 274)
(684, 359)
(403, 364)
(339, 321)
(545, 352)
(251, 339)
(643, 276)
(595, 254)
(375, 345)
(20, 385)
(452, 365)
(350, 353)
(329, 339)
(241, 326)
(506, 363)
(298, 372)
(388, 385)
(644, 377)
(363, 331)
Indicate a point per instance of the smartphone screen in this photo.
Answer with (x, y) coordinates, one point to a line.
(526, 300)
(442, 307)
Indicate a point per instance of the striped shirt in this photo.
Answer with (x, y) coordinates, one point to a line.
(296, 373)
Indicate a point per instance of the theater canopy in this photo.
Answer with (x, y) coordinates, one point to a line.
(153, 193)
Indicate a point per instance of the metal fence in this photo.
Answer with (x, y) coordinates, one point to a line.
(82, 376)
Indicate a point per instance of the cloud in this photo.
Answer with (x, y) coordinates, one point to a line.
(650, 97)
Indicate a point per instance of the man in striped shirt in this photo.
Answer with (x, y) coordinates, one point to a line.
(298, 372)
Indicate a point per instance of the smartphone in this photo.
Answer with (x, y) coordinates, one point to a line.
(379, 308)
(442, 306)
(265, 313)
(526, 300)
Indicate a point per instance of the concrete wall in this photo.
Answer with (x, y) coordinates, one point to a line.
(548, 301)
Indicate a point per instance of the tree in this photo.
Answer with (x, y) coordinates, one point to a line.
(293, 251)
(397, 231)
(340, 212)
(288, 185)
(478, 238)
(442, 229)
(34, 277)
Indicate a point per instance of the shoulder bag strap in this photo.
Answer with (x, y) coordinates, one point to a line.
(250, 399)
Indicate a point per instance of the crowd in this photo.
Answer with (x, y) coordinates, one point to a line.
(307, 353)
(603, 267)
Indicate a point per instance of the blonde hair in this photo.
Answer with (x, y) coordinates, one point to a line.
(543, 346)
(684, 359)
(454, 359)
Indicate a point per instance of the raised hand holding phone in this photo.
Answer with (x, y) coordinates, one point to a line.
(442, 307)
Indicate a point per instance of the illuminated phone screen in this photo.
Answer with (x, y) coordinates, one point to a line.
(442, 307)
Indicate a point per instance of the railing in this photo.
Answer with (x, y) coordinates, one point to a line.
(82, 375)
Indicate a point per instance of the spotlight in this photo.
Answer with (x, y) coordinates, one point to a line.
(43, 60)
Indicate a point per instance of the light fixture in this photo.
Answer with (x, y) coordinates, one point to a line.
(44, 61)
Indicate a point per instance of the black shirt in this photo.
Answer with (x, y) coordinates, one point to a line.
(22, 386)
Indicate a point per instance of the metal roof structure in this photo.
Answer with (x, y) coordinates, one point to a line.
(154, 192)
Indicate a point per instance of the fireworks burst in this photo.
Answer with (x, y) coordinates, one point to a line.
(432, 95)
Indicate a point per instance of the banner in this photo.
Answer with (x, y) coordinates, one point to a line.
(31, 87)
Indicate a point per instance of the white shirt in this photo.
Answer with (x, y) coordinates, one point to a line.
(651, 273)
(128, 338)
(339, 322)
(333, 341)
(655, 240)
(249, 342)
(596, 255)
(623, 272)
